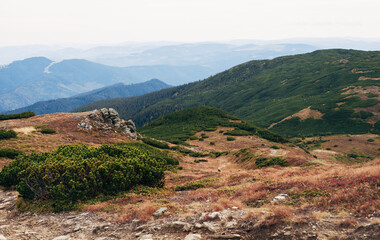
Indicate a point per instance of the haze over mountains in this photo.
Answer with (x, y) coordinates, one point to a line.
(114, 91)
(37, 79)
(28, 81)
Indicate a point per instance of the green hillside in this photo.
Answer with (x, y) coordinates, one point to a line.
(267, 91)
(179, 126)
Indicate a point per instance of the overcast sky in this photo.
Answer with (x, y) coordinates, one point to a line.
(114, 21)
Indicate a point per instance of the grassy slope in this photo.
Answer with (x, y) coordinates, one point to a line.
(179, 126)
(266, 91)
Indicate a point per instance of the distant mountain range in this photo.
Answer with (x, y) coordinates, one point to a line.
(115, 91)
(324, 92)
(38, 79)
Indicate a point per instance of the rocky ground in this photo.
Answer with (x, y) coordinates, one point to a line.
(226, 224)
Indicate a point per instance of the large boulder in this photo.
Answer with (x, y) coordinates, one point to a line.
(108, 119)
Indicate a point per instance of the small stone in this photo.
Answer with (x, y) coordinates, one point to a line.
(193, 237)
(280, 197)
(160, 212)
(198, 225)
(61, 238)
(180, 224)
(147, 237)
(231, 224)
(211, 227)
(227, 236)
(234, 208)
(214, 216)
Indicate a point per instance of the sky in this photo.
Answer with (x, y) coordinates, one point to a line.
(24, 22)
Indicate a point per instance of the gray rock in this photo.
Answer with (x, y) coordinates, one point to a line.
(160, 212)
(193, 237)
(108, 119)
(181, 225)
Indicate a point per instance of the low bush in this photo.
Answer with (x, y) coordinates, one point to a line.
(155, 143)
(266, 162)
(152, 152)
(10, 153)
(47, 131)
(17, 115)
(238, 132)
(7, 134)
(231, 139)
(77, 172)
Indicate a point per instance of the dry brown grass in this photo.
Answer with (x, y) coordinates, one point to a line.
(347, 223)
(224, 203)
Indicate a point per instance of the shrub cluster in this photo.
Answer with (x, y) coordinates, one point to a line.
(155, 143)
(17, 115)
(47, 131)
(266, 162)
(10, 153)
(7, 134)
(77, 172)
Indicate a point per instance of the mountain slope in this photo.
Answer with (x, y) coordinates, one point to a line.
(267, 91)
(38, 79)
(179, 126)
(115, 91)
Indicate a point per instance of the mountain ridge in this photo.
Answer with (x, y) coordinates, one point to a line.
(38, 79)
(115, 90)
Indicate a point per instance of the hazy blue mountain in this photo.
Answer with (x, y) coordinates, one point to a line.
(218, 56)
(115, 91)
(38, 79)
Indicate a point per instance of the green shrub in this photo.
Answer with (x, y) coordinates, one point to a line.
(155, 143)
(7, 134)
(370, 140)
(353, 158)
(193, 138)
(152, 152)
(231, 139)
(218, 154)
(17, 115)
(275, 147)
(200, 160)
(238, 132)
(47, 131)
(77, 172)
(10, 153)
(212, 143)
(265, 162)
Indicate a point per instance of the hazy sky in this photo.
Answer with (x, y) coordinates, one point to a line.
(115, 21)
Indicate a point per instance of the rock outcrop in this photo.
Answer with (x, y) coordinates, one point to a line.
(108, 119)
